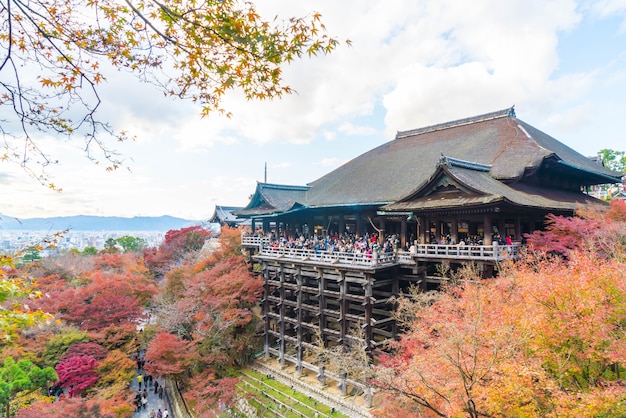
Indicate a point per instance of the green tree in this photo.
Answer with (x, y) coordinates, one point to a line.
(614, 160)
(110, 246)
(31, 254)
(130, 243)
(192, 50)
(19, 377)
(89, 250)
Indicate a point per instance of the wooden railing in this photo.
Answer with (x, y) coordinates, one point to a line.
(330, 257)
(468, 252)
(383, 259)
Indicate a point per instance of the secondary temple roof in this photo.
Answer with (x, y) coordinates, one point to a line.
(506, 148)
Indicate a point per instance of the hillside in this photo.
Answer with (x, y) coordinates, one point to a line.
(95, 223)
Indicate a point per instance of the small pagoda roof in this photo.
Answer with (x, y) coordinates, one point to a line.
(224, 215)
(269, 199)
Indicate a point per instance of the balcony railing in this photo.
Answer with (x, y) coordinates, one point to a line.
(376, 260)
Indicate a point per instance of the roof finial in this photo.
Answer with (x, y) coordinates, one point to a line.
(512, 111)
(443, 160)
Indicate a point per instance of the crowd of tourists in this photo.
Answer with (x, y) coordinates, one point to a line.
(367, 243)
(343, 243)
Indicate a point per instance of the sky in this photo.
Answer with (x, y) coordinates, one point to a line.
(411, 64)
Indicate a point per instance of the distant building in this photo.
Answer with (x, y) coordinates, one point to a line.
(223, 215)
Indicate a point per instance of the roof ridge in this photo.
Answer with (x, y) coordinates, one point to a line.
(283, 186)
(459, 122)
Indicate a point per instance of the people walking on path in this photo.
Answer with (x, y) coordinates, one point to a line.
(148, 403)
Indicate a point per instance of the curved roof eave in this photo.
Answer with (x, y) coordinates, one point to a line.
(610, 179)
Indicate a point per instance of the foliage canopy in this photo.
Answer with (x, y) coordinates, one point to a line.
(54, 56)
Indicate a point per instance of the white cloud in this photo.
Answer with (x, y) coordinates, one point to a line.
(411, 64)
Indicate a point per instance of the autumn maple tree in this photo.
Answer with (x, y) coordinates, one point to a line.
(77, 373)
(545, 338)
(167, 355)
(17, 291)
(197, 50)
(205, 308)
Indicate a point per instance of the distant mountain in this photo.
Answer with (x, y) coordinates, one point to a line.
(95, 223)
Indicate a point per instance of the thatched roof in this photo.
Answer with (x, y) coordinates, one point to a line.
(393, 170)
(511, 149)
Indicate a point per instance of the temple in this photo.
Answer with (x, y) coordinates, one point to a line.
(465, 191)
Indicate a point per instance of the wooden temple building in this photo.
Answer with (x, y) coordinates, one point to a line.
(445, 190)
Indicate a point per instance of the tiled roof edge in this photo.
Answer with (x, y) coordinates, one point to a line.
(510, 112)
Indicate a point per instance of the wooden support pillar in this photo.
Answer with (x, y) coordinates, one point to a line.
(454, 230)
(282, 307)
(266, 309)
(518, 227)
(321, 304)
(381, 234)
(343, 306)
(395, 291)
(487, 229)
(368, 334)
(359, 224)
(266, 226)
(424, 230)
(403, 237)
(311, 227)
(342, 225)
(299, 329)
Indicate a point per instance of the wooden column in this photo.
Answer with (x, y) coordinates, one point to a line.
(367, 290)
(454, 230)
(487, 229)
(266, 309)
(403, 237)
(518, 228)
(299, 328)
(282, 307)
(342, 225)
(343, 306)
(321, 304)
(395, 291)
(424, 237)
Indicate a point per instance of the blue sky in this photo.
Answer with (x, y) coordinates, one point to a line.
(562, 64)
